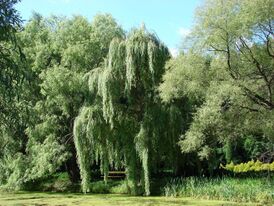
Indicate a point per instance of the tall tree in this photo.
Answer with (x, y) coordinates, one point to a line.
(126, 117)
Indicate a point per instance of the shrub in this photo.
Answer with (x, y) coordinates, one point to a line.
(121, 188)
(250, 166)
(99, 187)
(113, 186)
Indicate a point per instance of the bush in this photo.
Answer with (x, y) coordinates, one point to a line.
(58, 182)
(99, 187)
(234, 189)
(121, 188)
(113, 186)
(250, 166)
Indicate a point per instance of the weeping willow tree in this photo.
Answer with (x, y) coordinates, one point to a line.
(125, 124)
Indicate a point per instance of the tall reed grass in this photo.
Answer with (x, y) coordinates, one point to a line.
(227, 188)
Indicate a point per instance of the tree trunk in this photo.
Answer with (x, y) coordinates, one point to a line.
(72, 166)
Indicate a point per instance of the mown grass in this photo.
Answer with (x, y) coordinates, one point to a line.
(260, 190)
(69, 199)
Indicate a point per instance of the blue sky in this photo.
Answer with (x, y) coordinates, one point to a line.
(170, 19)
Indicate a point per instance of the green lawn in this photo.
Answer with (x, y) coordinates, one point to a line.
(59, 199)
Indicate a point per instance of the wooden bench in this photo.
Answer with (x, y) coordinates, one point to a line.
(116, 175)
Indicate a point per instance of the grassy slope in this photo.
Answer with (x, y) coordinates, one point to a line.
(69, 199)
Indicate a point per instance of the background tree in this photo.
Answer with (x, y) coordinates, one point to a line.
(74, 47)
(236, 89)
(13, 74)
(58, 53)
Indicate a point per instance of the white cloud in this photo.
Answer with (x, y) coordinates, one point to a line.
(174, 52)
(184, 32)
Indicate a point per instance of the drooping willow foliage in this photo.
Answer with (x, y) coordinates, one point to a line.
(125, 125)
